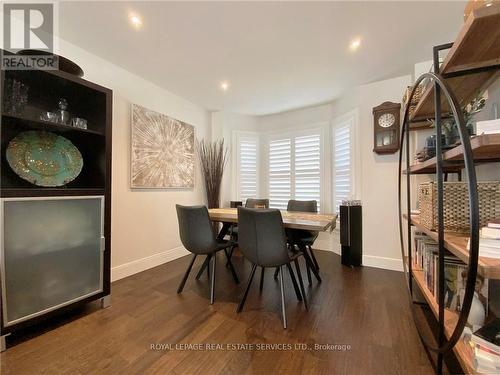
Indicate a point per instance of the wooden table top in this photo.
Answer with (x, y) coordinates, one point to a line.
(295, 220)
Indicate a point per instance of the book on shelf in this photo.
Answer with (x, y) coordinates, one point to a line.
(489, 240)
(494, 223)
(490, 233)
(425, 257)
(488, 127)
(486, 341)
(488, 335)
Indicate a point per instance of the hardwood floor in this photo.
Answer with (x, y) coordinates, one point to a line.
(364, 308)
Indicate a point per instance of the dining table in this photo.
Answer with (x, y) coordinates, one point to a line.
(316, 222)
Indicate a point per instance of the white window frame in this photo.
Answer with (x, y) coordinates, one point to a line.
(320, 129)
(355, 153)
(237, 137)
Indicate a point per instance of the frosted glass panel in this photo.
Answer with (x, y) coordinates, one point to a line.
(51, 253)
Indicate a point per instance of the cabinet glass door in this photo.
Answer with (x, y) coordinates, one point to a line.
(51, 253)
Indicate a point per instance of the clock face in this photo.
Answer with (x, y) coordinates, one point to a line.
(386, 120)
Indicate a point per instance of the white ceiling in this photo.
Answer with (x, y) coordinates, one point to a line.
(277, 56)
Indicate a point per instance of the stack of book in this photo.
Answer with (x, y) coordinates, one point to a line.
(489, 241)
(486, 345)
(488, 127)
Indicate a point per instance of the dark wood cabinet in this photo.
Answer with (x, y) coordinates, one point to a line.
(86, 100)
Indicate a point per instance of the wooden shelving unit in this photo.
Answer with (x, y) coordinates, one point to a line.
(456, 243)
(476, 47)
(485, 148)
(462, 352)
(470, 66)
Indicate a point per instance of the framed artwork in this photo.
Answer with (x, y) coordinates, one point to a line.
(162, 151)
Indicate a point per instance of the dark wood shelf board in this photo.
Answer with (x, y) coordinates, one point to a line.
(475, 47)
(420, 125)
(456, 243)
(49, 192)
(485, 149)
(13, 120)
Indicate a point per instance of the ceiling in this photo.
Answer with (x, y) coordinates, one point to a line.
(276, 56)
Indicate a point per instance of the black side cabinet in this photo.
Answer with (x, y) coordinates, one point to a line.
(351, 235)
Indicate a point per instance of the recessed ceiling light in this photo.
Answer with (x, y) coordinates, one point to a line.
(224, 85)
(135, 20)
(489, 4)
(354, 45)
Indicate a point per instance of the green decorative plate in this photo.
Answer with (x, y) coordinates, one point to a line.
(44, 159)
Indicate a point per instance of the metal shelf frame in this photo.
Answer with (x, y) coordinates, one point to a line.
(441, 88)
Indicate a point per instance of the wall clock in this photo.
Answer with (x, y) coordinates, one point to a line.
(386, 128)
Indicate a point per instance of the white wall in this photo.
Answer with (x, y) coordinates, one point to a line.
(144, 223)
(377, 180)
(379, 174)
(224, 125)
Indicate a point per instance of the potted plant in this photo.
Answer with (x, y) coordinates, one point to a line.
(450, 128)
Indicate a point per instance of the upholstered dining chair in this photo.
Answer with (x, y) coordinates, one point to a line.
(257, 203)
(305, 237)
(263, 242)
(197, 236)
(249, 203)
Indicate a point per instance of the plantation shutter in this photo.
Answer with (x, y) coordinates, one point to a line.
(307, 179)
(248, 160)
(280, 184)
(342, 161)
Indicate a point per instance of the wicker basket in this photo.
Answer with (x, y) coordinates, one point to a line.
(456, 205)
(416, 98)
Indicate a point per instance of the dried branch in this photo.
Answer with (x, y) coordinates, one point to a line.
(213, 158)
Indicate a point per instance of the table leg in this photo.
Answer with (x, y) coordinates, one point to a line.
(223, 231)
(309, 262)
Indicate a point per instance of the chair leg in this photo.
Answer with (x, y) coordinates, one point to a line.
(235, 276)
(250, 278)
(183, 282)
(212, 288)
(294, 282)
(313, 258)
(309, 279)
(261, 286)
(276, 273)
(301, 283)
(283, 311)
(208, 265)
(202, 268)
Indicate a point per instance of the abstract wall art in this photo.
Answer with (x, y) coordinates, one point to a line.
(162, 151)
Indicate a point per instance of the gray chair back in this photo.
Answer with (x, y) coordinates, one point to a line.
(256, 203)
(303, 206)
(195, 229)
(262, 237)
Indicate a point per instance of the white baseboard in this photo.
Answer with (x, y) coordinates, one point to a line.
(393, 264)
(143, 264)
(139, 265)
